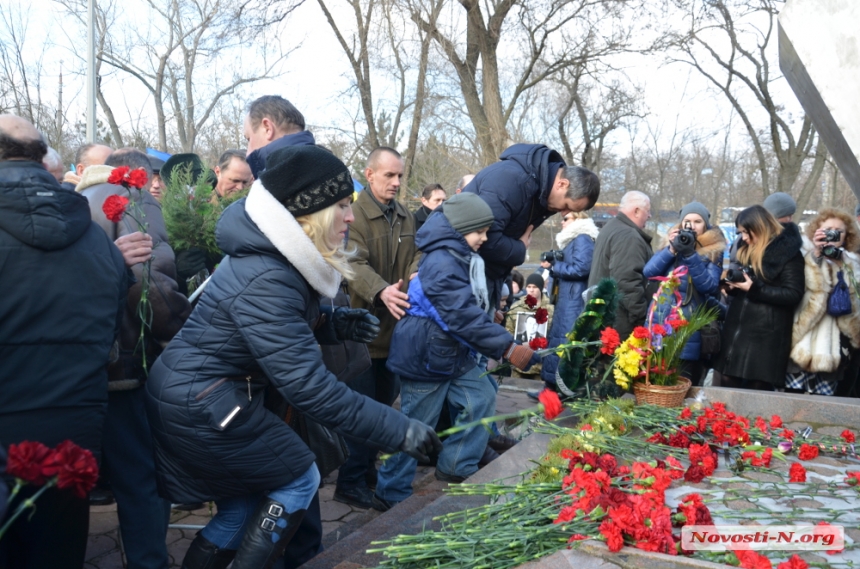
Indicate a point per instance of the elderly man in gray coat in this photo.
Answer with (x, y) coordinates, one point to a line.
(620, 252)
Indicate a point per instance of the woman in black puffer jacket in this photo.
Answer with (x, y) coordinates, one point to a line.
(756, 338)
(258, 326)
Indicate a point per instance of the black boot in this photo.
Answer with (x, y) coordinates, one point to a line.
(269, 531)
(203, 554)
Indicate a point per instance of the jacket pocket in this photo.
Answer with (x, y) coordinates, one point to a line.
(441, 357)
(223, 402)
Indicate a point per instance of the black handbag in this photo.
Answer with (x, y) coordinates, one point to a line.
(329, 447)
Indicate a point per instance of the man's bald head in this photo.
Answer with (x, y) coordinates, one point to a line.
(91, 155)
(19, 140)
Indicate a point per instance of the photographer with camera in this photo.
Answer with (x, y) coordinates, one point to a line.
(571, 265)
(756, 338)
(826, 331)
(693, 243)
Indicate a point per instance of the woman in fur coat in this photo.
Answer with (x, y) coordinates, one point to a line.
(704, 262)
(570, 274)
(821, 343)
(756, 338)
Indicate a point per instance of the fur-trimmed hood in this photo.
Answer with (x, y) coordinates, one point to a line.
(94, 175)
(815, 334)
(711, 244)
(575, 229)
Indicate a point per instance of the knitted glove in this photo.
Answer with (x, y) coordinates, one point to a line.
(420, 441)
(355, 324)
(519, 356)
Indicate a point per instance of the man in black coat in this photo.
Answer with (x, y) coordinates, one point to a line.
(60, 311)
(529, 184)
(432, 197)
(272, 122)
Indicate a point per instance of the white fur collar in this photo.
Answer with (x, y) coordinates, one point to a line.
(578, 227)
(281, 228)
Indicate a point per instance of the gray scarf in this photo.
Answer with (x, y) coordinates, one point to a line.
(479, 282)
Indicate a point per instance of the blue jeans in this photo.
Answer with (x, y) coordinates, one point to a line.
(227, 527)
(470, 397)
(383, 386)
(129, 464)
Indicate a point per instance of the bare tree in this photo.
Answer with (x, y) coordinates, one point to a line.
(551, 35)
(597, 110)
(732, 54)
(183, 59)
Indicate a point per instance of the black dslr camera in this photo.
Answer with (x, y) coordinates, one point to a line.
(552, 256)
(735, 273)
(830, 251)
(685, 240)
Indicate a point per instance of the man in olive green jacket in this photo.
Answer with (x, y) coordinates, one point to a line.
(383, 235)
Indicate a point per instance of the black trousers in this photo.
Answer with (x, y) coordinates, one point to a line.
(55, 537)
(380, 384)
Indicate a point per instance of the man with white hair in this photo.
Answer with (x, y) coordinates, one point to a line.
(621, 251)
(54, 164)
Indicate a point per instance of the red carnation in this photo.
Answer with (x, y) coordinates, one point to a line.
(117, 175)
(687, 413)
(848, 436)
(610, 339)
(124, 176)
(74, 467)
(530, 301)
(658, 329)
(852, 478)
(775, 422)
(27, 461)
(137, 178)
(541, 315)
(538, 343)
(641, 333)
(794, 563)
(612, 533)
(114, 208)
(552, 406)
(658, 439)
(807, 452)
(797, 473)
(751, 560)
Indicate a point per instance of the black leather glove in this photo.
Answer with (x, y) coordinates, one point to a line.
(420, 441)
(355, 324)
(683, 249)
(190, 262)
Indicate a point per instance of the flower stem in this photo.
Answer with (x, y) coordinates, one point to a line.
(28, 503)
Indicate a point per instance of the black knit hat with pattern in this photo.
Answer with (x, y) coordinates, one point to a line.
(306, 178)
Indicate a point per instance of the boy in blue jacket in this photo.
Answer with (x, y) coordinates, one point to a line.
(436, 346)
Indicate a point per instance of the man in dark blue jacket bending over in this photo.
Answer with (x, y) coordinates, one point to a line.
(529, 183)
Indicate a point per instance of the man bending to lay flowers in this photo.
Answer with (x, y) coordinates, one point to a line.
(436, 346)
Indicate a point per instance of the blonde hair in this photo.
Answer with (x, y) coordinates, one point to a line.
(758, 222)
(574, 215)
(317, 226)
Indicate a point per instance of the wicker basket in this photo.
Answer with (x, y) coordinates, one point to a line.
(662, 395)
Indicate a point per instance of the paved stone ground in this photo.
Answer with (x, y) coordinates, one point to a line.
(103, 550)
